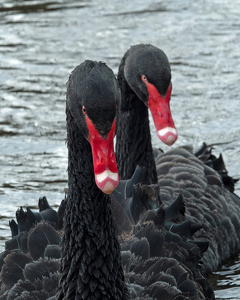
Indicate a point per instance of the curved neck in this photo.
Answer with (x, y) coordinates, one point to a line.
(91, 260)
(133, 139)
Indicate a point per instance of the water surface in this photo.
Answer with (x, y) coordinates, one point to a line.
(41, 42)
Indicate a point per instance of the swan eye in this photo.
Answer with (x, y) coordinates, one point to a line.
(84, 110)
(144, 78)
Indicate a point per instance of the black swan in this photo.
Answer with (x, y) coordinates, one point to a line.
(158, 264)
(145, 80)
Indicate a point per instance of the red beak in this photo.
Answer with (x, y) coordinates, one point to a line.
(104, 161)
(161, 113)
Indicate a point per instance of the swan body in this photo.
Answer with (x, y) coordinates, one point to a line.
(206, 201)
(148, 246)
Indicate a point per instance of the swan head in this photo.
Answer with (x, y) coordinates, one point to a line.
(147, 72)
(92, 98)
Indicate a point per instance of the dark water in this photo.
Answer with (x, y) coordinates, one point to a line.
(42, 41)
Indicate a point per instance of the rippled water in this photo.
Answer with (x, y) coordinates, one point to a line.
(42, 41)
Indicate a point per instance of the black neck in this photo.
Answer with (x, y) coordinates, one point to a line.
(133, 140)
(91, 260)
